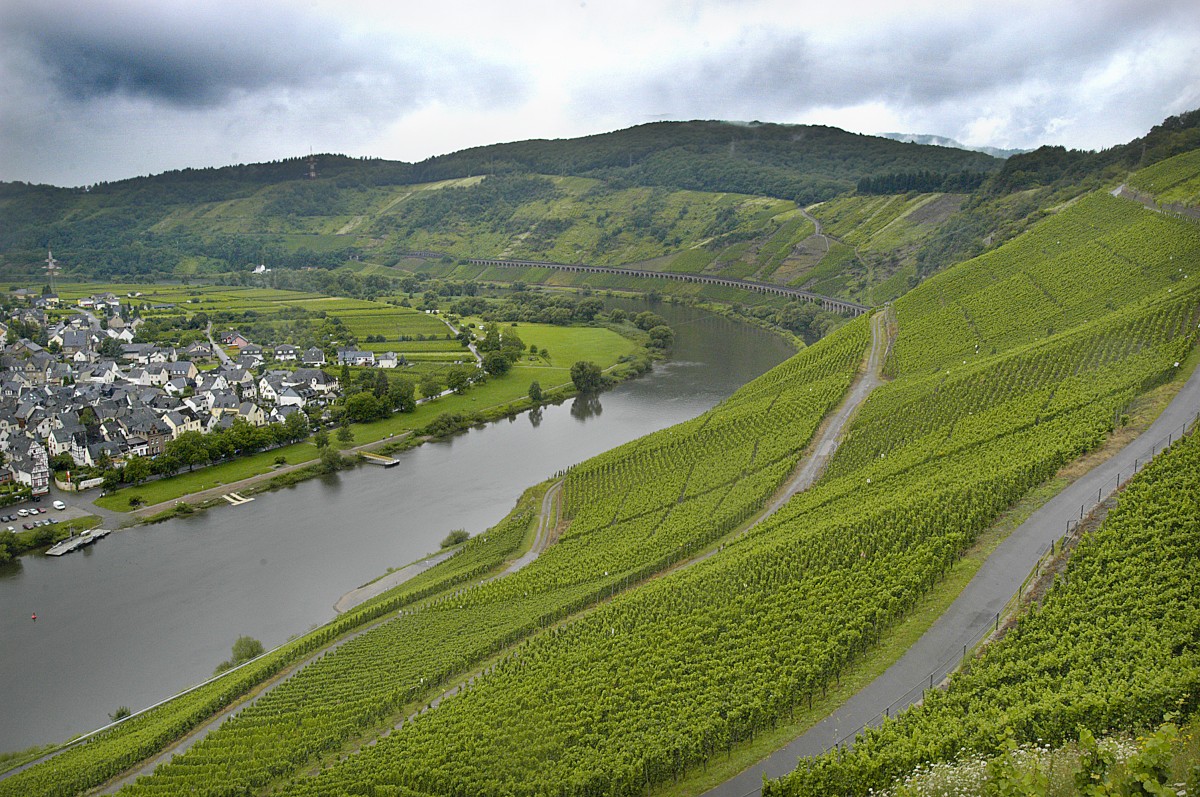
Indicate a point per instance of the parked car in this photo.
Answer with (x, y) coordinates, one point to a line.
(23, 512)
(28, 526)
(59, 505)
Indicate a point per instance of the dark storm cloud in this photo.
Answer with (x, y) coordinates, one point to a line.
(196, 58)
(200, 56)
(104, 89)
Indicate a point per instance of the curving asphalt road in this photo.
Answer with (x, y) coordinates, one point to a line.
(973, 614)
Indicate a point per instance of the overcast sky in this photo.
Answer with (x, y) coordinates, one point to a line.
(95, 90)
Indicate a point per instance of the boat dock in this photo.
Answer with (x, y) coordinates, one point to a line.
(378, 459)
(236, 499)
(75, 542)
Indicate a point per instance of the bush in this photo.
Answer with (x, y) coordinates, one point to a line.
(455, 537)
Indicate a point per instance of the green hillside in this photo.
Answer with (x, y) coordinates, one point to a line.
(1174, 181)
(1112, 647)
(1006, 368)
(705, 195)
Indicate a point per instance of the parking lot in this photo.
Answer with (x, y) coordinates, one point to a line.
(30, 514)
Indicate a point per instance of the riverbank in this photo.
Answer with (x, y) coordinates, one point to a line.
(621, 354)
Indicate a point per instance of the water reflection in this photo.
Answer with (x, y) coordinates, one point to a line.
(585, 406)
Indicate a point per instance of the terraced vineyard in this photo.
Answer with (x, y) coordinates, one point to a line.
(1175, 180)
(653, 531)
(1112, 647)
(992, 394)
(752, 633)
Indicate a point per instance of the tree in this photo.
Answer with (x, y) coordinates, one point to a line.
(431, 386)
(188, 449)
(331, 460)
(455, 537)
(587, 376)
(535, 391)
(380, 388)
(458, 379)
(321, 439)
(661, 337)
(496, 364)
(296, 426)
(137, 470)
(364, 408)
(245, 648)
(344, 435)
(402, 396)
(110, 348)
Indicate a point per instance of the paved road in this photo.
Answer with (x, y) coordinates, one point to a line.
(220, 352)
(974, 612)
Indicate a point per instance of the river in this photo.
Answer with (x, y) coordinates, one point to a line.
(153, 609)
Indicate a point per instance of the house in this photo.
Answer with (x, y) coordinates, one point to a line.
(234, 338)
(286, 352)
(355, 357)
(176, 386)
(180, 421)
(75, 340)
(96, 452)
(198, 351)
(388, 360)
(225, 403)
(249, 362)
(181, 369)
(252, 413)
(156, 375)
(295, 396)
(30, 465)
(281, 413)
(316, 379)
(269, 389)
(313, 356)
(60, 441)
(149, 428)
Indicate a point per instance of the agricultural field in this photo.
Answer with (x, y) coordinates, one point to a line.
(1111, 648)
(753, 632)
(873, 243)
(1172, 181)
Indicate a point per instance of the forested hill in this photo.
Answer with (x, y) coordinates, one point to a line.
(716, 197)
(118, 226)
(805, 163)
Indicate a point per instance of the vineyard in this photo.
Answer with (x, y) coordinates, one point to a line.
(1006, 368)
(1112, 647)
(368, 682)
(1175, 180)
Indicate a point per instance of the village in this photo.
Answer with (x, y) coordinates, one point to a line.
(94, 397)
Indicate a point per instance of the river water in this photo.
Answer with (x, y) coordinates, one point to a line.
(152, 610)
